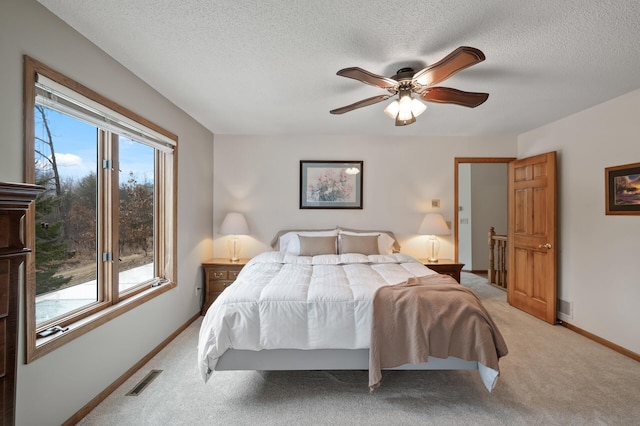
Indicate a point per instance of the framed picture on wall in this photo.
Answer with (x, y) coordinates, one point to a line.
(330, 184)
(623, 189)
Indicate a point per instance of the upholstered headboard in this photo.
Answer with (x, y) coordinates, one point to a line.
(275, 242)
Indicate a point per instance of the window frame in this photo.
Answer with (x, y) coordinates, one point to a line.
(111, 303)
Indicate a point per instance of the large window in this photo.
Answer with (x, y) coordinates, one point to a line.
(103, 232)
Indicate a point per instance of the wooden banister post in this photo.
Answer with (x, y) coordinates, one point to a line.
(492, 271)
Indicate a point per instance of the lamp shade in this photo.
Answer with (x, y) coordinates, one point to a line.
(234, 224)
(434, 224)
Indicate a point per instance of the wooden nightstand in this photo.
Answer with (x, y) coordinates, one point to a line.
(445, 266)
(219, 273)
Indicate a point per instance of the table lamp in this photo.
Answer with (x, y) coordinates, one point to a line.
(433, 224)
(234, 224)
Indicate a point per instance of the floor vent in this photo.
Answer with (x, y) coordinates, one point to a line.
(137, 390)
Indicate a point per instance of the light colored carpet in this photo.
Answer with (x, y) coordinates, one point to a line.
(551, 376)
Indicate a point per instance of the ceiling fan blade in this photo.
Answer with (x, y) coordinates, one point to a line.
(360, 104)
(367, 77)
(446, 95)
(461, 58)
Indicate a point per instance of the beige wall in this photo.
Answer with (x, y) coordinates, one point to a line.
(598, 254)
(54, 387)
(259, 175)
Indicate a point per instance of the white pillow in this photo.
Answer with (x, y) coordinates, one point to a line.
(385, 241)
(290, 243)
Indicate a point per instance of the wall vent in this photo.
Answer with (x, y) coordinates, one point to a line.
(137, 389)
(565, 308)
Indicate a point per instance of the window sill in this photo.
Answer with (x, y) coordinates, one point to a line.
(45, 345)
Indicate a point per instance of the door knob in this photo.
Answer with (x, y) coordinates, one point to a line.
(547, 246)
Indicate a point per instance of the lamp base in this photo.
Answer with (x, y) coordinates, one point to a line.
(434, 249)
(234, 249)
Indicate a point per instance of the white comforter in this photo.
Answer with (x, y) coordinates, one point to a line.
(283, 301)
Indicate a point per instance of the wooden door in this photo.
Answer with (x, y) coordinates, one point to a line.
(532, 236)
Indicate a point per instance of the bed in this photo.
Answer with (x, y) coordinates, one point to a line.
(309, 305)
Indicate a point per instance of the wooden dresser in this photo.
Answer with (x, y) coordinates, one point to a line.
(14, 201)
(219, 273)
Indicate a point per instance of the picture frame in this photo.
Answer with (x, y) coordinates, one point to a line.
(622, 188)
(331, 184)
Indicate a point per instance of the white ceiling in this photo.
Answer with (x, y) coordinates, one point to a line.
(268, 67)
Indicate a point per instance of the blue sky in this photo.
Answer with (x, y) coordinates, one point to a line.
(76, 148)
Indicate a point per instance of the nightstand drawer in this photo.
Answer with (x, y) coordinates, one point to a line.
(218, 275)
(217, 286)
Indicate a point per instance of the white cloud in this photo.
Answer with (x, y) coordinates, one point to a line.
(69, 160)
(74, 166)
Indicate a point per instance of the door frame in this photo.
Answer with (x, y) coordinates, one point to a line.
(456, 162)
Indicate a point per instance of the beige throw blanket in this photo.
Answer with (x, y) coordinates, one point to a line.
(430, 316)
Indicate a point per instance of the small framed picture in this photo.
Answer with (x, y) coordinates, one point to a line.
(623, 189)
(331, 184)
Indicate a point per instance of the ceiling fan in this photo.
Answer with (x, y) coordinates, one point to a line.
(406, 82)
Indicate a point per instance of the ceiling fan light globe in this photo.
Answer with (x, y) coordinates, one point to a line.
(392, 109)
(417, 107)
(405, 111)
(405, 115)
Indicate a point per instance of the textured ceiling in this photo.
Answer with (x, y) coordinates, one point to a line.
(268, 67)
